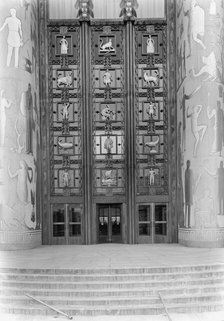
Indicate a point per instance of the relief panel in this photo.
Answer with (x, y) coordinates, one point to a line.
(151, 110)
(108, 110)
(65, 146)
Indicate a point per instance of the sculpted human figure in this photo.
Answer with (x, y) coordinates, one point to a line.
(150, 109)
(65, 111)
(183, 107)
(196, 129)
(14, 39)
(128, 8)
(196, 24)
(66, 178)
(23, 177)
(212, 114)
(64, 45)
(85, 8)
(4, 103)
(108, 144)
(107, 78)
(150, 45)
(152, 174)
(188, 193)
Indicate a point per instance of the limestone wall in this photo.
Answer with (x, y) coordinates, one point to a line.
(20, 124)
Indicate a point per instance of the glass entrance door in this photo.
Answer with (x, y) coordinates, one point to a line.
(66, 224)
(109, 223)
(152, 223)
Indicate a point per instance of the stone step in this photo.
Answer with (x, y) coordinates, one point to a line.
(114, 310)
(110, 278)
(203, 289)
(113, 301)
(124, 270)
(110, 285)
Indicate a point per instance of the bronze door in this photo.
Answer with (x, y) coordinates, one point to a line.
(109, 223)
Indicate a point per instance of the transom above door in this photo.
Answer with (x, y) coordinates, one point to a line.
(153, 223)
(109, 223)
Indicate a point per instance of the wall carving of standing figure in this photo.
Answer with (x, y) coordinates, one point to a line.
(14, 39)
(195, 127)
(4, 104)
(188, 183)
(196, 24)
(24, 176)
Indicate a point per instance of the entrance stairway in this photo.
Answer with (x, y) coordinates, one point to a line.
(124, 291)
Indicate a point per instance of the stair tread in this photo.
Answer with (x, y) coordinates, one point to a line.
(94, 307)
(111, 282)
(180, 273)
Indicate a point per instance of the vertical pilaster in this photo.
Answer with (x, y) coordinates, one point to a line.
(87, 132)
(130, 129)
(200, 114)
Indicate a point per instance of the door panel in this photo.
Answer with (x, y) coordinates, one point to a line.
(109, 223)
(152, 223)
(66, 224)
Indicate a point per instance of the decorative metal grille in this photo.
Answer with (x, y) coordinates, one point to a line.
(65, 110)
(108, 110)
(151, 109)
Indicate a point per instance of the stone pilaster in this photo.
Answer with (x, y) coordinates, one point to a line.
(20, 225)
(200, 122)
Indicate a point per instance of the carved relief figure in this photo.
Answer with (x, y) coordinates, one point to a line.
(212, 8)
(152, 174)
(65, 113)
(208, 68)
(150, 109)
(107, 47)
(20, 146)
(152, 144)
(150, 49)
(24, 175)
(27, 108)
(107, 78)
(108, 144)
(107, 113)
(188, 183)
(64, 80)
(151, 79)
(66, 178)
(196, 24)
(4, 103)
(14, 39)
(183, 107)
(213, 114)
(196, 129)
(65, 145)
(64, 46)
(85, 8)
(108, 178)
(128, 8)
